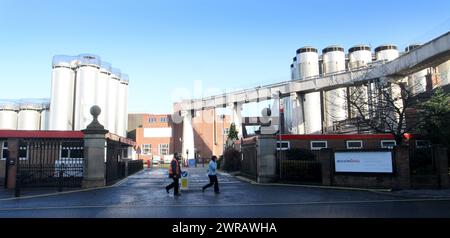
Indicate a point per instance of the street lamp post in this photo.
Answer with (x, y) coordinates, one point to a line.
(223, 133)
(278, 143)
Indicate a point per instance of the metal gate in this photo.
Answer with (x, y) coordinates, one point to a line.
(115, 169)
(249, 163)
(49, 163)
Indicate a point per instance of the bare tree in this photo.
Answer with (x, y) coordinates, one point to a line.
(384, 105)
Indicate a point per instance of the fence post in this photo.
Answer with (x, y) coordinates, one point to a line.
(94, 152)
(60, 179)
(126, 167)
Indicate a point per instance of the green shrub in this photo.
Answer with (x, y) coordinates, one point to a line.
(232, 160)
(220, 162)
(300, 154)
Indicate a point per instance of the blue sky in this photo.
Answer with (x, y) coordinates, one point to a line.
(169, 44)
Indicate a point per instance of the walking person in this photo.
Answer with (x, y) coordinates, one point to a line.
(212, 174)
(174, 173)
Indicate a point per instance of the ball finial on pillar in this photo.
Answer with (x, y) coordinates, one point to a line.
(95, 126)
(95, 111)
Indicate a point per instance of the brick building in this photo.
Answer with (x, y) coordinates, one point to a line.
(157, 135)
(152, 133)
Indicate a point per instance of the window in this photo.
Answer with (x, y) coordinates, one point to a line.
(4, 150)
(354, 144)
(317, 145)
(163, 149)
(388, 144)
(422, 144)
(163, 119)
(283, 145)
(152, 120)
(71, 151)
(146, 149)
(226, 130)
(23, 152)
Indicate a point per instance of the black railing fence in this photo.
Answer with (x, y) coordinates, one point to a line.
(135, 166)
(49, 163)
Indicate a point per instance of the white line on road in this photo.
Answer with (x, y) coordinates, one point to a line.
(66, 192)
(228, 205)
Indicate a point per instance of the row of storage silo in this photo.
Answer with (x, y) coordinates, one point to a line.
(24, 114)
(307, 63)
(78, 83)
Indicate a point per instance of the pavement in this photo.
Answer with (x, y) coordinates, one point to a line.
(143, 195)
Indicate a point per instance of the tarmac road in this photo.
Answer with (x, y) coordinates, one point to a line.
(143, 196)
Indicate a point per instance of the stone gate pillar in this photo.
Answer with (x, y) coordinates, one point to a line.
(266, 165)
(94, 152)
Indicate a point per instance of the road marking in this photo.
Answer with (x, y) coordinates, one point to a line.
(226, 205)
(65, 192)
(311, 186)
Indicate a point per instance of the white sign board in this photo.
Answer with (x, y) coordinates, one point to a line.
(363, 162)
(158, 132)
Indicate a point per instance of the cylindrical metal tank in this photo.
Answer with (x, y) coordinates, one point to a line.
(121, 106)
(85, 89)
(307, 107)
(335, 100)
(8, 115)
(112, 95)
(29, 115)
(386, 52)
(417, 82)
(102, 89)
(126, 81)
(333, 59)
(359, 56)
(308, 62)
(62, 93)
(45, 115)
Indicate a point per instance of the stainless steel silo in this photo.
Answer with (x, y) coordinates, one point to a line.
(102, 91)
(359, 56)
(386, 52)
(62, 93)
(29, 117)
(335, 100)
(87, 74)
(8, 115)
(112, 95)
(307, 109)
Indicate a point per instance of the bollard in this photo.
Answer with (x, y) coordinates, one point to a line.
(17, 186)
(60, 181)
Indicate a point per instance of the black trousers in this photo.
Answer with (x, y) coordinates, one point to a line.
(173, 185)
(212, 181)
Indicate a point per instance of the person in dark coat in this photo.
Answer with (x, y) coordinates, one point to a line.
(174, 173)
